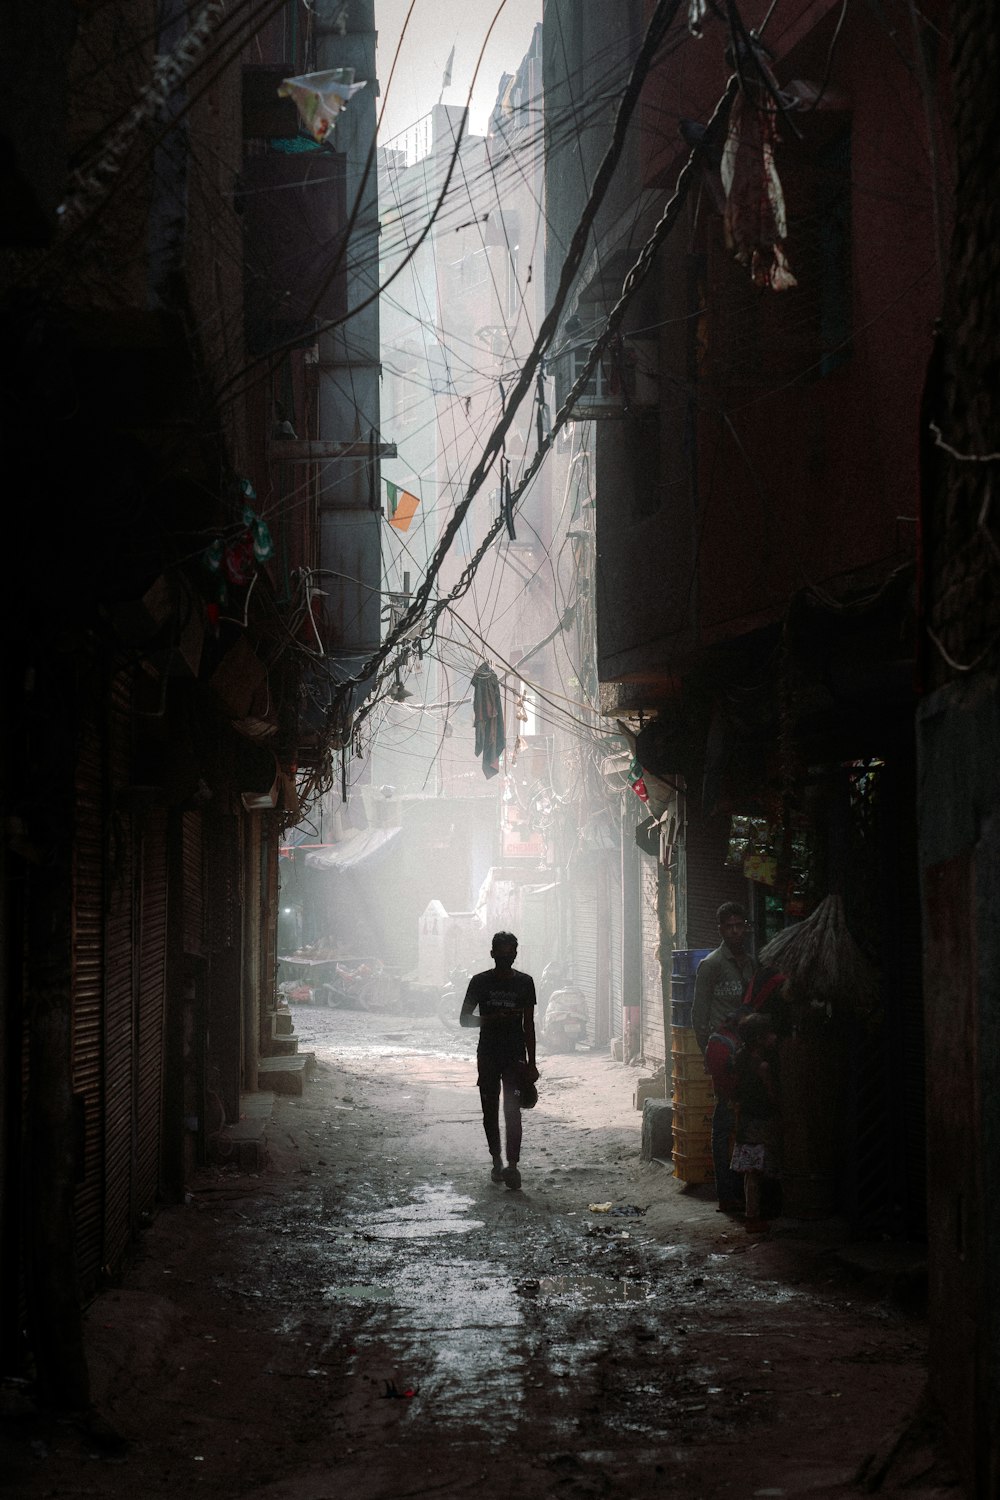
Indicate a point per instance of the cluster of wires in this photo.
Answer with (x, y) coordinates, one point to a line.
(633, 281)
(658, 26)
(635, 276)
(420, 625)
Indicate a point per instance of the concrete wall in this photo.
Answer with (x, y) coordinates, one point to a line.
(780, 461)
(959, 748)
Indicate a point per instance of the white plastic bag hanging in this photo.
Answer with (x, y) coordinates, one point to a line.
(320, 97)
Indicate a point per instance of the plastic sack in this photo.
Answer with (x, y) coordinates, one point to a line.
(320, 97)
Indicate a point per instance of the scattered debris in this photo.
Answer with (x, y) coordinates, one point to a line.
(392, 1393)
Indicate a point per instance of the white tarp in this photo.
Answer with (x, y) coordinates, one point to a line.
(356, 849)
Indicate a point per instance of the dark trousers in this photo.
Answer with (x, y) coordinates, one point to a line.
(494, 1074)
(728, 1184)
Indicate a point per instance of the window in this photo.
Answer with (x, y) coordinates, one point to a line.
(513, 289)
(597, 391)
(407, 396)
(474, 269)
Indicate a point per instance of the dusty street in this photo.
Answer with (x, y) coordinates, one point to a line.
(371, 1316)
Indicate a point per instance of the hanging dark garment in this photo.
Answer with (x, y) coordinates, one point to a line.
(487, 708)
(508, 503)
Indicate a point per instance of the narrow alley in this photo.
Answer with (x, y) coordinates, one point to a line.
(502, 481)
(370, 1316)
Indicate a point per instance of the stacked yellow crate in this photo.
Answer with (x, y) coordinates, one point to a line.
(693, 1095)
(694, 1101)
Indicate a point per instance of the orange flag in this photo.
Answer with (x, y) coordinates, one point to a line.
(402, 506)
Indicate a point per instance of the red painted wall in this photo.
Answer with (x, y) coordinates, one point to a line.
(802, 476)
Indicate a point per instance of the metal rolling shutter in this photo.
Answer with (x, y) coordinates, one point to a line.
(152, 962)
(584, 957)
(119, 1013)
(901, 882)
(88, 999)
(616, 953)
(230, 892)
(707, 881)
(194, 883)
(269, 908)
(885, 1115)
(253, 931)
(653, 1049)
(601, 1028)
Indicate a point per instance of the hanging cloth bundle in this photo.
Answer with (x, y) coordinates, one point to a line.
(541, 410)
(506, 499)
(755, 221)
(487, 710)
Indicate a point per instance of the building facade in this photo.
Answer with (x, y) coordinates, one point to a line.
(173, 331)
(755, 467)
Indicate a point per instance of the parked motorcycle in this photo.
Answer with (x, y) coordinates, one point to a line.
(553, 977)
(347, 987)
(449, 1006)
(565, 1022)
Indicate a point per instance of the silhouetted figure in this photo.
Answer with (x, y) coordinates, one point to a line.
(505, 1000)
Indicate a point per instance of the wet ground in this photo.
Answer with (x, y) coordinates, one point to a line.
(371, 1316)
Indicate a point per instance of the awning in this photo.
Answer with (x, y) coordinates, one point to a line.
(356, 849)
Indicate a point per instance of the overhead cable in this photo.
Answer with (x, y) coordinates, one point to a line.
(633, 280)
(663, 17)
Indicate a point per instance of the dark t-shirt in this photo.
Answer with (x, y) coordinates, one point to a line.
(505, 996)
(756, 1091)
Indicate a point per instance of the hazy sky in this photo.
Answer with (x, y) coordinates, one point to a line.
(435, 27)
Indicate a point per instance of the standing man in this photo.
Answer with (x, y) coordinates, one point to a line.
(505, 999)
(719, 987)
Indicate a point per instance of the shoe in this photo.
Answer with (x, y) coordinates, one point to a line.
(512, 1177)
(497, 1174)
(730, 1206)
(757, 1226)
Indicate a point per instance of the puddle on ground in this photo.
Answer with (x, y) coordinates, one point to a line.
(342, 1053)
(357, 1292)
(591, 1291)
(422, 1229)
(437, 1210)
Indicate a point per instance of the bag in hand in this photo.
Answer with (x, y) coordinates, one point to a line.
(526, 1090)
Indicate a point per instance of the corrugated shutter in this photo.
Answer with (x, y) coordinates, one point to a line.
(119, 1024)
(601, 1029)
(903, 961)
(269, 912)
(885, 1117)
(152, 964)
(707, 881)
(88, 998)
(253, 945)
(584, 928)
(651, 1019)
(226, 888)
(194, 883)
(616, 952)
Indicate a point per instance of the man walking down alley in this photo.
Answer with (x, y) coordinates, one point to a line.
(505, 999)
(719, 987)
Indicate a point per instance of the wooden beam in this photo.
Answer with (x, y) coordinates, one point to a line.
(300, 451)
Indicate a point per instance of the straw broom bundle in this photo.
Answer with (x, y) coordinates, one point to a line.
(824, 964)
